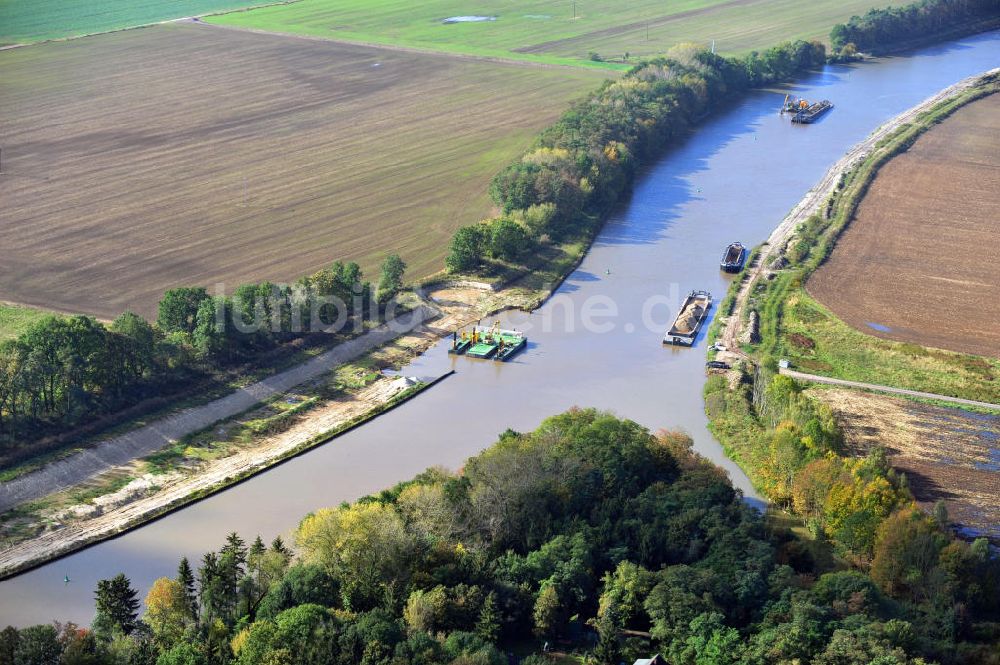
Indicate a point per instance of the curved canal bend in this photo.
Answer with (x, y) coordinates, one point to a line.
(734, 179)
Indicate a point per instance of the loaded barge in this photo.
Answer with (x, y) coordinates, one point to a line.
(735, 258)
(812, 112)
(689, 320)
(495, 343)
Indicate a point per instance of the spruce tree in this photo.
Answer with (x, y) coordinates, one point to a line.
(186, 578)
(208, 587)
(236, 548)
(232, 568)
(489, 623)
(117, 607)
(257, 549)
(608, 649)
(278, 545)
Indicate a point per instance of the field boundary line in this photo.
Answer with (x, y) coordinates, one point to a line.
(55, 311)
(542, 47)
(397, 47)
(816, 378)
(138, 26)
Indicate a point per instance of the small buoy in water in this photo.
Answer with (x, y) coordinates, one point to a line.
(66, 579)
(607, 271)
(699, 190)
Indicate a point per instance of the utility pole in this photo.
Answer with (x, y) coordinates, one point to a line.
(574, 8)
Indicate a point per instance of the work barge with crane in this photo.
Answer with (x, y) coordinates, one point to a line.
(804, 113)
(493, 342)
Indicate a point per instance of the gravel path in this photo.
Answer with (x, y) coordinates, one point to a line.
(65, 473)
(218, 474)
(815, 378)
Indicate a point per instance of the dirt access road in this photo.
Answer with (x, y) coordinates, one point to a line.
(176, 490)
(812, 203)
(802, 376)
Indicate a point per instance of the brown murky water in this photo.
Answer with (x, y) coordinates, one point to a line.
(733, 179)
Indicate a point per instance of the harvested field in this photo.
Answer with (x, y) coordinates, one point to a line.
(185, 154)
(919, 262)
(558, 31)
(947, 455)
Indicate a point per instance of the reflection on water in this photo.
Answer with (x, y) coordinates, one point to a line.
(733, 179)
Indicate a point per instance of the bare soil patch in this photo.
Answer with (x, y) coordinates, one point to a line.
(919, 261)
(182, 154)
(947, 455)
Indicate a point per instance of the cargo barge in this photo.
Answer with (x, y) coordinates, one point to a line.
(735, 257)
(812, 112)
(693, 313)
(495, 343)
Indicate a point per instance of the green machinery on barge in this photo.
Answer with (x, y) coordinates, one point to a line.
(494, 342)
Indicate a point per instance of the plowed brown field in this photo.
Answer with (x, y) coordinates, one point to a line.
(919, 263)
(184, 154)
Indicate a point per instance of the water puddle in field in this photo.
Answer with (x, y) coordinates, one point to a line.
(993, 464)
(878, 326)
(468, 19)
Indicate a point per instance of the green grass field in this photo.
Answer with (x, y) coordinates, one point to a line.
(23, 21)
(15, 319)
(817, 341)
(548, 31)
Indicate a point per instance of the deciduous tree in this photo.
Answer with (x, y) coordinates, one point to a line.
(391, 278)
(178, 309)
(168, 612)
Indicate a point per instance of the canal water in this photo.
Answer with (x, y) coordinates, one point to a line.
(596, 343)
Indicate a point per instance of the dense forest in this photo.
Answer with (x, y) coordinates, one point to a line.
(579, 167)
(588, 536)
(882, 30)
(66, 371)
